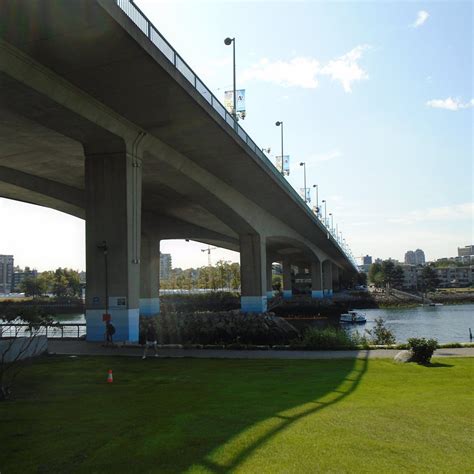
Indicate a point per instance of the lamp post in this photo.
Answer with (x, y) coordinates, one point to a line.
(228, 41)
(332, 222)
(303, 164)
(280, 124)
(315, 186)
(325, 219)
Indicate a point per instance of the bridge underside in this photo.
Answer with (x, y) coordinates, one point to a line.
(124, 141)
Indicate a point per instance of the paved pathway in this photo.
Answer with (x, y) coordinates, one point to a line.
(93, 348)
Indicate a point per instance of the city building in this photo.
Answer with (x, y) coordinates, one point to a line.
(467, 251)
(19, 276)
(455, 276)
(165, 266)
(416, 257)
(410, 258)
(6, 273)
(367, 260)
(419, 257)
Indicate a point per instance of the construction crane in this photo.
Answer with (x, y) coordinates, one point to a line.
(208, 250)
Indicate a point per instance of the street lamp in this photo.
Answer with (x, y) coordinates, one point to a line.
(303, 164)
(278, 124)
(315, 186)
(325, 219)
(228, 41)
(332, 222)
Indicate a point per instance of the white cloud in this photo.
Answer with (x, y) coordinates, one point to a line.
(346, 69)
(305, 72)
(328, 156)
(299, 72)
(449, 104)
(420, 19)
(444, 213)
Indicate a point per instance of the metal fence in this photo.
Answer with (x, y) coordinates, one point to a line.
(60, 331)
(145, 25)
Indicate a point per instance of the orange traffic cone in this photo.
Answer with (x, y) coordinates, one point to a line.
(110, 377)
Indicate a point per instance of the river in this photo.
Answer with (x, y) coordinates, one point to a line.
(449, 323)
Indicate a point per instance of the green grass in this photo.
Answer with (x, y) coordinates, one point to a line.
(190, 415)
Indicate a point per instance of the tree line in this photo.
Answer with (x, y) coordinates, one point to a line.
(390, 275)
(62, 283)
(223, 275)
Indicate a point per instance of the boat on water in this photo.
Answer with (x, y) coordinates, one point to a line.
(436, 304)
(353, 317)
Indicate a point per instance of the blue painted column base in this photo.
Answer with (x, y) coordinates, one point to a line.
(253, 304)
(149, 307)
(287, 294)
(125, 322)
(317, 294)
(270, 294)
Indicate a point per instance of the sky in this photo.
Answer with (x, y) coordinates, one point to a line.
(376, 98)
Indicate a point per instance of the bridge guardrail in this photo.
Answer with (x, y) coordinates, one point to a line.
(61, 331)
(140, 19)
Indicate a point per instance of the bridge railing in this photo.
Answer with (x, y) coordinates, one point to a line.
(145, 25)
(60, 331)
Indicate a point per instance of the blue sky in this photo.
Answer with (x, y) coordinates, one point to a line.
(376, 98)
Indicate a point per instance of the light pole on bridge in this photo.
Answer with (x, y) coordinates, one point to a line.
(303, 164)
(280, 124)
(228, 42)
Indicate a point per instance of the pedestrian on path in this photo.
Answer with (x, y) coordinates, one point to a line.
(151, 339)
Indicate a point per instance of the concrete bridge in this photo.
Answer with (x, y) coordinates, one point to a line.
(100, 118)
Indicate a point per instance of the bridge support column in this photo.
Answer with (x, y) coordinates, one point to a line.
(113, 185)
(327, 278)
(149, 276)
(269, 277)
(335, 277)
(287, 287)
(253, 274)
(316, 280)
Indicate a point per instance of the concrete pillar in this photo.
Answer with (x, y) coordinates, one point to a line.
(269, 277)
(149, 276)
(113, 185)
(316, 280)
(327, 278)
(335, 277)
(287, 286)
(253, 274)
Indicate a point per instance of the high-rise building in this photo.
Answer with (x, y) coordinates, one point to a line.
(165, 266)
(419, 257)
(367, 260)
(19, 276)
(410, 258)
(466, 251)
(6, 273)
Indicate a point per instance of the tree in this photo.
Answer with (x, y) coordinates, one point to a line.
(429, 279)
(376, 275)
(398, 277)
(388, 269)
(17, 341)
(361, 278)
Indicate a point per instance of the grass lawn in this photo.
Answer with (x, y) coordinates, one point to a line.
(190, 415)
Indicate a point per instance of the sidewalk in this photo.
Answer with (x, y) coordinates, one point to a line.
(96, 349)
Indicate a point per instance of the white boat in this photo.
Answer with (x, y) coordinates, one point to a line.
(353, 317)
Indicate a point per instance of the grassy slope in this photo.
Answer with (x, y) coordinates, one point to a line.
(246, 416)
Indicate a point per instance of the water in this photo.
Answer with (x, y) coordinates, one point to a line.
(444, 323)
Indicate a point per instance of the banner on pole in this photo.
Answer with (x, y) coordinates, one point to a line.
(239, 104)
(283, 166)
(308, 195)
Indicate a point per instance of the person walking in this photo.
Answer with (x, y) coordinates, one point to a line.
(151, 339)
(109, 334)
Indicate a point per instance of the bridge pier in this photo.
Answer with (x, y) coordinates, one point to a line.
(327, 278)
(149, 276)
(287, 286)
(269, 277)
(316, 280)
(113, 217)
(253, 274)
(335, 277)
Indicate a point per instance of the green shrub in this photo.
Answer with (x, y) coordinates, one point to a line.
(422, 349)
(380, 334)
(324, 339)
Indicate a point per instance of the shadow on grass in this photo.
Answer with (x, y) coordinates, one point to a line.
(164, 415)
(433, 365)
